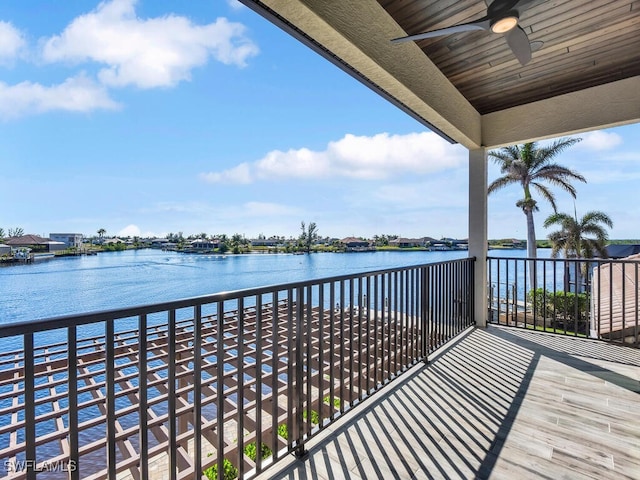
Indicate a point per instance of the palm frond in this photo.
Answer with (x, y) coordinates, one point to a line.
(546, 194)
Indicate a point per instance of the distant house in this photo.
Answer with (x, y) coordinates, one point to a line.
(615, 290)
(264, 242)
(514, 243)
(36, 243)
(111, 241)
(200, 244)
(402, 242)
(159, 243)
(353, 244)
(622, 251)
(69, 239)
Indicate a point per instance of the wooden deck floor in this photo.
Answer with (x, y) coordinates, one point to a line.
(499, 403)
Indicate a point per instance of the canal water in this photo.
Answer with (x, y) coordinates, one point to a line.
(110, 280)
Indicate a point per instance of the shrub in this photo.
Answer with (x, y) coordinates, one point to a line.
(230, 471)
(336, 401)
(315, 417)
(283, 431)
(567, 307)
(250, 451)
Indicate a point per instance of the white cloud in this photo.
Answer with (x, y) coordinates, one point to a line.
(11, 42)
(361, 157)
(599, 140)
(147, 53)
(129, 231)
(77, 94)
(237, 175)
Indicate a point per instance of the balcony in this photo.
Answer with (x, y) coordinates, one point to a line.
(498, 403)
(372, 375)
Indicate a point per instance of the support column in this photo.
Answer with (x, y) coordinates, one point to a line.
(478, 241)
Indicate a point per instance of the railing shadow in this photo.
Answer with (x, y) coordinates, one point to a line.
(454, 417)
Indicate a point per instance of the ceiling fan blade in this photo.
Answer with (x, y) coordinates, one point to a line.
(482, 24)
(519, 44)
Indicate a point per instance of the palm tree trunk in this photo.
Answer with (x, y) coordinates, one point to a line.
(531, 247)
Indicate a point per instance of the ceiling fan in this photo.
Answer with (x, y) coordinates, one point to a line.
(502, 17)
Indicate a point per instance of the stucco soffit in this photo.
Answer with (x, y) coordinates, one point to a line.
(605, 106)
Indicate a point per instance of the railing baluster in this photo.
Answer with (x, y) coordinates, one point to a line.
(637, 306)
(197, 389)
(343, 342)
(424, 313)
(29, 406)
(240, 388)
(258, 359)
(321, 348)
(72, 375)
(171, 394)
(299, 373)
(308, 318)
(275, 375)
(142, 397)
(368, 337)
(332, 352)
(220, 393)
(360, 345)
(110, 398)
(352, 345)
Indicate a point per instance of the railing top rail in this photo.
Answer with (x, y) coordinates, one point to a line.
(39, 325)
(558, 259)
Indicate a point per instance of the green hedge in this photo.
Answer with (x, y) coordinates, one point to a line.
(569, 309)
(230, 471)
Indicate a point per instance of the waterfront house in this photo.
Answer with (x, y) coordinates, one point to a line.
(70, 240)
(349, 374)
(353, 244)
(622, 250)
(514, 243)
(159, 242)
(402, 242)
(265, 242)
(36, 243)
(112, 241)
(203, 244)
(615, 290)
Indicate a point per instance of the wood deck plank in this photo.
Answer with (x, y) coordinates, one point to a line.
(500, 404)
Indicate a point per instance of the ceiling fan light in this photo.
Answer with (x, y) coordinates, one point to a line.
(504, 24)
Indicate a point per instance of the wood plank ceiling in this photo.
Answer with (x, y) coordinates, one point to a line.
(585, 43)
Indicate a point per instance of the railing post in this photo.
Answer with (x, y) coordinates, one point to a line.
(472, 300)
(424, 328)
(298, 391)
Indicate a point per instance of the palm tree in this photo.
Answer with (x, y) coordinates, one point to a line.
(532, 166)
(101, 232)
(584, 238)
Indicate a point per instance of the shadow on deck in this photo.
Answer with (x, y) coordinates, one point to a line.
(498, 403)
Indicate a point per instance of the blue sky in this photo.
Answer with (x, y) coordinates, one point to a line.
(149, 117)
